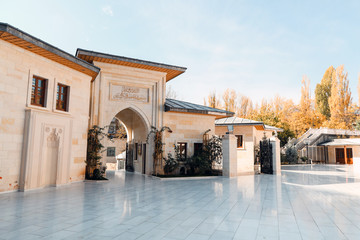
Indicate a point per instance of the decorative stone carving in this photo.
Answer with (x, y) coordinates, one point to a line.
(53, 138)
(119, 92)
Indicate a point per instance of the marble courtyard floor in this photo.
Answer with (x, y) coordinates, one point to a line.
(306, 202)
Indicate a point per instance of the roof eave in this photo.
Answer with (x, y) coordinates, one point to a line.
(4, 27)
(81, 51)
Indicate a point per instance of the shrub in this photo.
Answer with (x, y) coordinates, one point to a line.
(291, 155)
(199, 164)
(170, 164)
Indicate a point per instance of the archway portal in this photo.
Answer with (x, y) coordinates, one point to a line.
(136, 133)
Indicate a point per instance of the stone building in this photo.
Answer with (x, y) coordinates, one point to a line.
(326, 145)
(44, 99)
(248, 135)
(50, 98)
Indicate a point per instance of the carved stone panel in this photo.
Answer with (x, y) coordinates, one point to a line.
(121, 92)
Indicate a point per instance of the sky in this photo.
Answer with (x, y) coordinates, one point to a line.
(258, 48)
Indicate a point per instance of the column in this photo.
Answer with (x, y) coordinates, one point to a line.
(229, 156)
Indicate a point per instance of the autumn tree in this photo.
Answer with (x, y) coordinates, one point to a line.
(229, 99)
(212, 100)
(323, 92)
(245, 107)
(305, 116)
(341, 112)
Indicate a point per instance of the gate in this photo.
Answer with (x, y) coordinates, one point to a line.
(266, 155)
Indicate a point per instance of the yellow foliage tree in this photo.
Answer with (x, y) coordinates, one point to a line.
(305, 116)
(245, 107)
(341, 111)
(229, 98)
(212, 100)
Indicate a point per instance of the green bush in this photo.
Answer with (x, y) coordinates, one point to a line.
(170, 164)
(199, 164)
(291, 155)
(304, 159)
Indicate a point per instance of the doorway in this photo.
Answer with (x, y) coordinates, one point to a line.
(134, 149)
(340, 156)
(349, 156)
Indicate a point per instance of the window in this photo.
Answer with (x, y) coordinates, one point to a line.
(38, 91)
(197, 148)
(110, 152)
(62, 97)
(182, 150)
(239, 141)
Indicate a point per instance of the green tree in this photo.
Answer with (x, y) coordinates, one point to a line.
(323, 92)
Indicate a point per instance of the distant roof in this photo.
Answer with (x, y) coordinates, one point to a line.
(173, 105)
(272, 128)
(237, 121)
(343, 141)
(170, 70)
(243, 121)
(313, 134)
(30, 43)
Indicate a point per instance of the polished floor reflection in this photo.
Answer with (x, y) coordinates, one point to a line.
(306, 202)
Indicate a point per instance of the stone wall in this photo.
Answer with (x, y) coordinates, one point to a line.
(188, 128)
(17, 67)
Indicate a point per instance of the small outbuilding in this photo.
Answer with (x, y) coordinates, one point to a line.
(248, 135)
(333, 146)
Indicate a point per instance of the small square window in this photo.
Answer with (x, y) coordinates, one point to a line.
(62, 97)
(110, 152)
(38, 91)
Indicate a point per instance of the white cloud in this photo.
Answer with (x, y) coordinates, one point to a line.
(108, 10)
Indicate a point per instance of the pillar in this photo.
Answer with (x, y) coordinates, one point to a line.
(229, 156)
(275, 142)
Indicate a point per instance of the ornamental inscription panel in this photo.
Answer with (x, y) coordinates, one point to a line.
(120, 92)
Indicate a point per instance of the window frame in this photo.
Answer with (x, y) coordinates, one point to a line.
(34, 96)
(198, 148)
(58, 95)
(241, 145)
(179, 144)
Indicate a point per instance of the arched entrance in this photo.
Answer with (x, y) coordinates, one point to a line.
(137, 151)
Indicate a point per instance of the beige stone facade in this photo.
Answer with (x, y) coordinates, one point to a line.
(138, 114)
(186, 128)
(251, 133)
(245, 154)
(43, 145)
(30, 135)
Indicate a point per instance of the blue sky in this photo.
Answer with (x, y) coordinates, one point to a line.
(258, 48)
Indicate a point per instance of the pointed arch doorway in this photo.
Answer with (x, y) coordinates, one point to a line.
(136, 151)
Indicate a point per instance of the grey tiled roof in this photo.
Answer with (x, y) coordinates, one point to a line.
(237, 121)
(182, 106)
(244, 121)
(267, 127)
